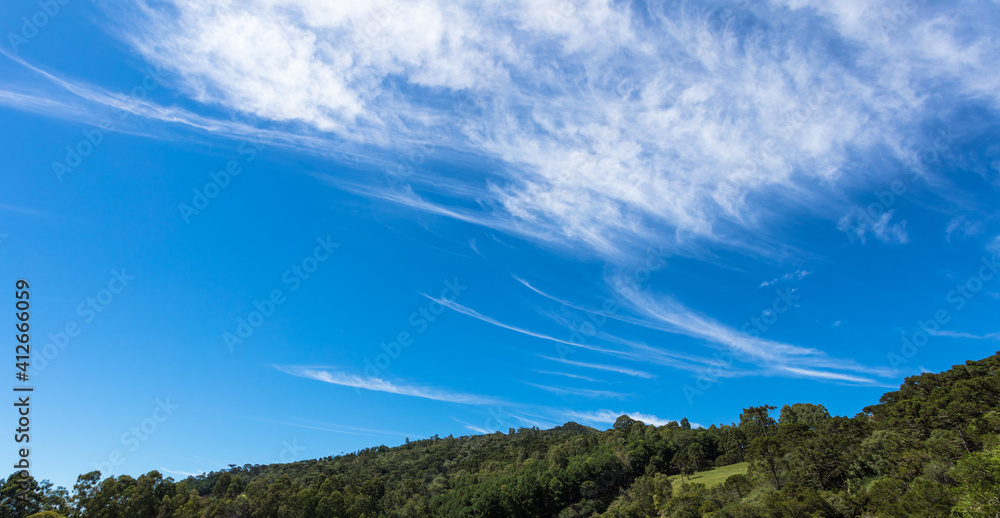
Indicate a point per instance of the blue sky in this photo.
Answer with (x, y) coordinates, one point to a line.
(285, 230)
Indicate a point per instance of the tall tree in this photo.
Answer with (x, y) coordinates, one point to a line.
(803, 413)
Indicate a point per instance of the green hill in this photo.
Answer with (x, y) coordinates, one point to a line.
(929, 449)
(710, 478)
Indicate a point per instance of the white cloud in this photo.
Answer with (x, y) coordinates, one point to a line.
(970, 336)
(568, 375)
(648, 310)
(797, 275)
(350, 430)
(638, 352)
(573, 391)
(598, 366)
(470, 426)
(962, 227)
(184, 473)
(614, 122)
(489, 320)
(381, 385)
(922, 40)
(818, 374)
(860, 226)
(614, 125)
(890, 232)
(666, 314)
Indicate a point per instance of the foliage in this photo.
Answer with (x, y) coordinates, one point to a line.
(931, 448)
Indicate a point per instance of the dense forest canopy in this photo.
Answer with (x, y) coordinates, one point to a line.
(931, 448)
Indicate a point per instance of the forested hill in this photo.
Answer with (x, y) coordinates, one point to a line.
(931, 448)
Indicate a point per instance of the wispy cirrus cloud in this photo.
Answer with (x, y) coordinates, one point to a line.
(640, 353)
(380, 385)
(796, 275)
(50, 94)
(470, 426)
(575, 391)
(527, 414)
(568, 375)
(184, 473)
(603, 367)
(489, 320)
(962, 334)
(883, 228)
(637, 351)
(346, 429)
(616, 121)
(666, 314)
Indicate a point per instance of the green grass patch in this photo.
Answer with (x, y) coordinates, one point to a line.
(712, 477)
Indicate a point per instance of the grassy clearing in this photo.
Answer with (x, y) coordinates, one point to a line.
(713, 477)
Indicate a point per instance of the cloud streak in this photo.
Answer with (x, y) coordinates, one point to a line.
(962, 334)
(380, 385)
(666, 314)
(603, 367)
(573, 391)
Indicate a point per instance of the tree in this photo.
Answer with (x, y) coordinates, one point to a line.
(144, 496)
(19, 495)
(803, 413)
(909, 456)
(734, 443)
(54, 499)
(756, 421)
(738, 484)
(695, 456)
(638, 501)
(978, 489)
(221, 487)
(623, 422)
(765, 455)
